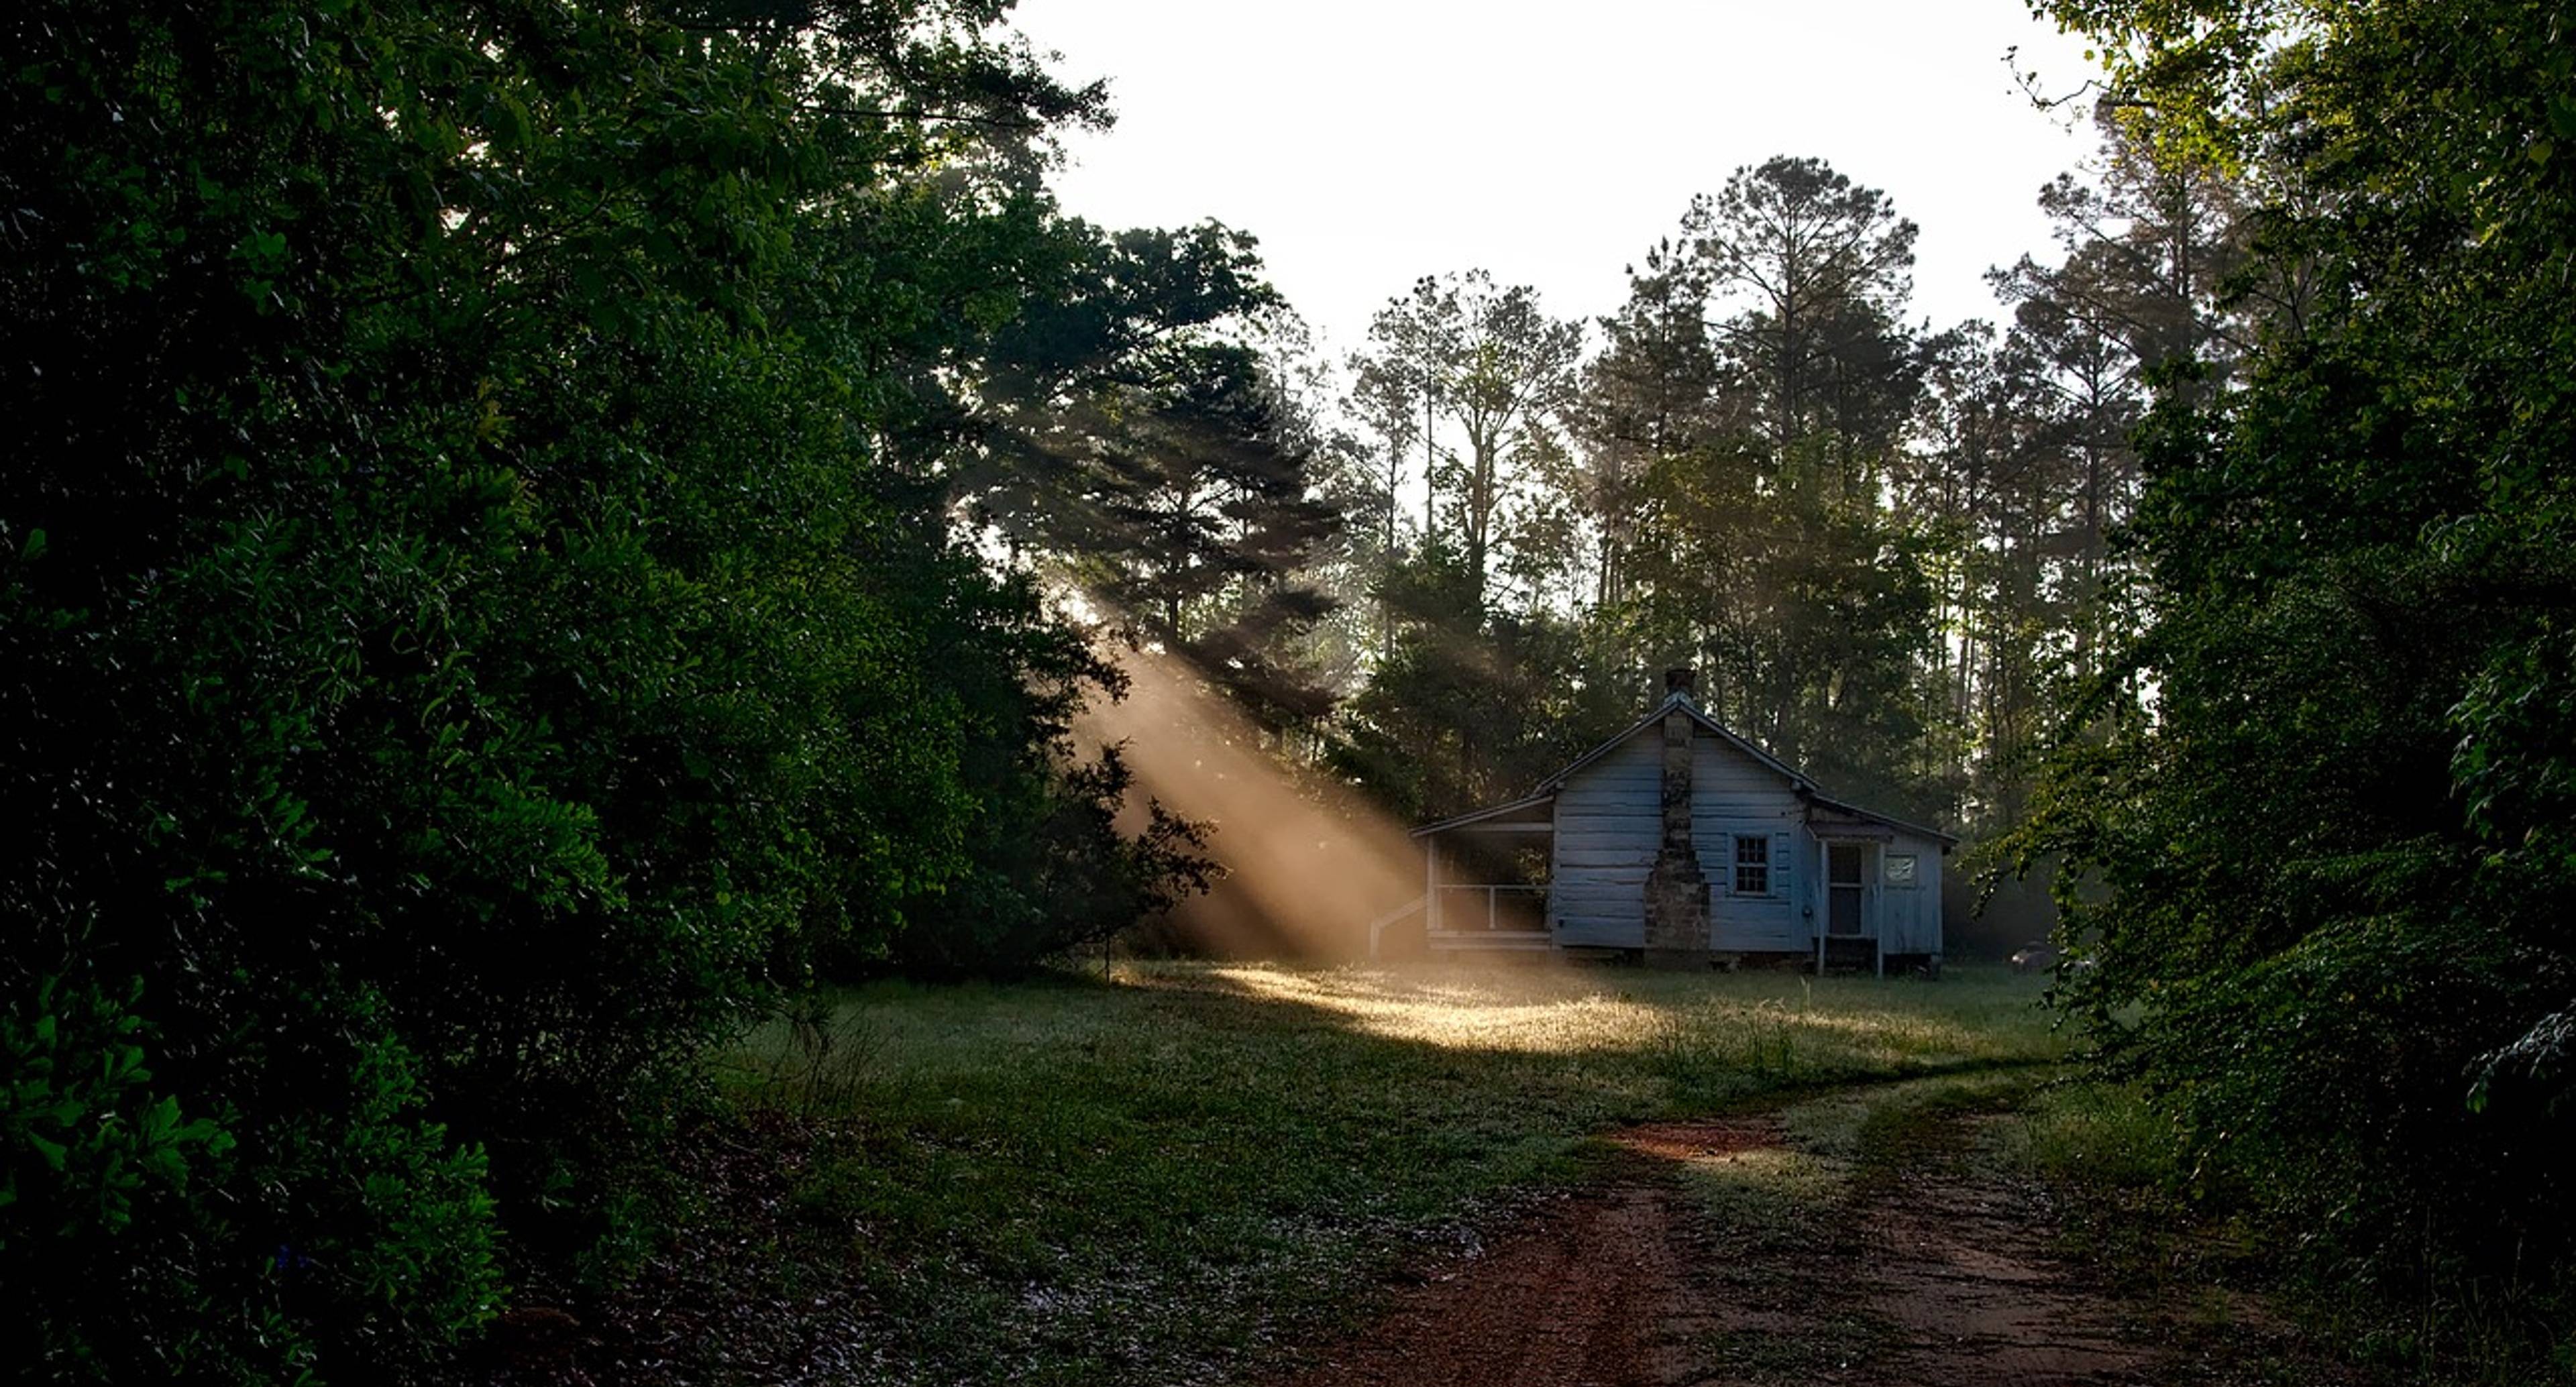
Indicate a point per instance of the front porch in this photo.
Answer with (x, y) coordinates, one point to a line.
(1485, 879)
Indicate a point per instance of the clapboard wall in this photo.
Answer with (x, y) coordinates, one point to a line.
(1609, 819)
(1911, 915)
(1734, 796)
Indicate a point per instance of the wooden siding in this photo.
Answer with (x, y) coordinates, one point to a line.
(1913, 912)
(1609, 818)
(1732, 794)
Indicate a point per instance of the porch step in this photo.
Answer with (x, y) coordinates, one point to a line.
(1858, 953)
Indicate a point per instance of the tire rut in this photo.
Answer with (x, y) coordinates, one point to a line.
(1928, 1279)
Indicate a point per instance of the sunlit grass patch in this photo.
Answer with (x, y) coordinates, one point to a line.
(1525, 1010)
(1555, 1010)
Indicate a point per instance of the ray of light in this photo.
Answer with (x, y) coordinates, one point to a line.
(1309, 863)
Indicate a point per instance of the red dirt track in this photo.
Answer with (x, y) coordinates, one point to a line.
(1570, 1299)
(1629, 1284)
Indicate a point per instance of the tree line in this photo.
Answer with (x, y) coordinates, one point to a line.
(1888, 548)
(2319, 809)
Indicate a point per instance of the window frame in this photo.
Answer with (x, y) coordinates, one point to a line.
(1913, 870)
(1737, 865)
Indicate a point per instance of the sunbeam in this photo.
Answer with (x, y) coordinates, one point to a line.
(1308, 863)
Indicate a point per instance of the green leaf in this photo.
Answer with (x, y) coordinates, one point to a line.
(52, 1151)
(2562, 117)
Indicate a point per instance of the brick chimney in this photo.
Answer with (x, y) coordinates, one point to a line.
(1676, 893)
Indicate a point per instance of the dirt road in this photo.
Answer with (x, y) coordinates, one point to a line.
(1921, 1272)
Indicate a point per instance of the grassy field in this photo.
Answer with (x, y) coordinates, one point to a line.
(1155, 1177)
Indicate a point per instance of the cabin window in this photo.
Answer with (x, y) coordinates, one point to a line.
(1752, 864)
(1900, 869)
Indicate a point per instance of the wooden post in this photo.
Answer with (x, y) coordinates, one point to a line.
(1820, 900)
(1876, 895)
(1430, 888)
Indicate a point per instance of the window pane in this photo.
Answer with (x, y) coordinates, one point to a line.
(1752, 865)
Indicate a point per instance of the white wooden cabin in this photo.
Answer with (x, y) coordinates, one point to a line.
(1750, 858)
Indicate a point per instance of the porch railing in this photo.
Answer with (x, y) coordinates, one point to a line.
(1466, 907)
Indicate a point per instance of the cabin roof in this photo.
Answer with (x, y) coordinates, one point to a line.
(1799, 784)
(1656, 715)
(1946, 840)
(1499, 811)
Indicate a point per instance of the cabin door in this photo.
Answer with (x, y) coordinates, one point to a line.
(1846, 877)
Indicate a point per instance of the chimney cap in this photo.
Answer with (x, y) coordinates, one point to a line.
(1680, 679)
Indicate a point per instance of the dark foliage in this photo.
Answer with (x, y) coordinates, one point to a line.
(479, 614)
(2336, 835)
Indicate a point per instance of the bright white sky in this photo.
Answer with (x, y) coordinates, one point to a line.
(1370, 142)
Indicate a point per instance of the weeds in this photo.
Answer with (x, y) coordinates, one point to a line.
(813, 1059)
